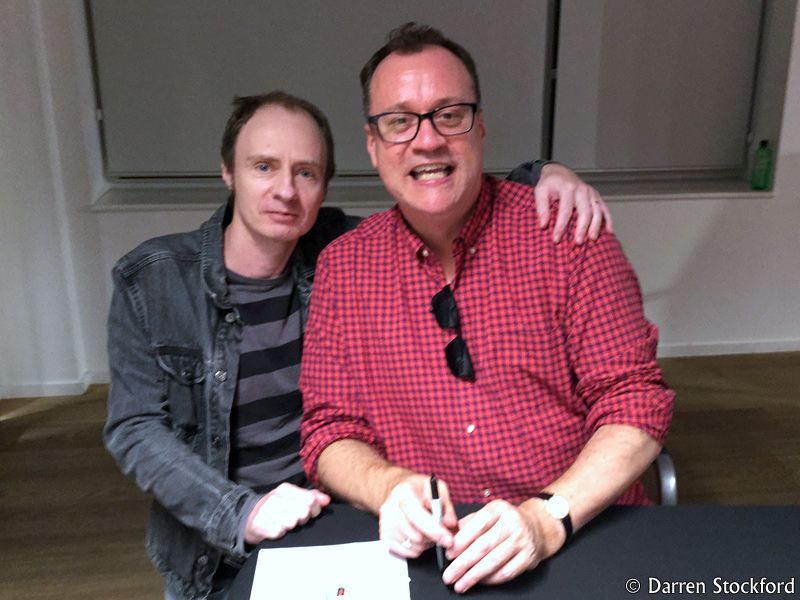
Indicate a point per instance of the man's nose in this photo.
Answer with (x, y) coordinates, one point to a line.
(285, 187)
(428, 138)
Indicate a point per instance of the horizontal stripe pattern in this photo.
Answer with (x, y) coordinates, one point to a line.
(265, 417)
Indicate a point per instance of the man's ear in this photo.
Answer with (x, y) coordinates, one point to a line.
(227, 176)
(480, 124)
(371, 143)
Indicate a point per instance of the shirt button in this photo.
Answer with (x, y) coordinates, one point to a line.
(221, 376)
(216, 441)
(425, 253)
(202, 561)
(486, 492)
(230, 317)
(472, 250)
(470, 427)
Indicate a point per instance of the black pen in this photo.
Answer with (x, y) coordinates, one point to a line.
(436, 510)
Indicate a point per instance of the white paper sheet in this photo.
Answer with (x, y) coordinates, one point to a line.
(358, 571)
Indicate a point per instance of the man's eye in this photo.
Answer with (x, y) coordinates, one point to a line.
(398, 122)
(307, 174)
(450, 117)
(263, 167)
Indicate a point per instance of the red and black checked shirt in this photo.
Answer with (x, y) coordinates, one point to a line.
(556, 332)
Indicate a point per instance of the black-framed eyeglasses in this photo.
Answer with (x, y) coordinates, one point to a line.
(445, 310)
(402, 127)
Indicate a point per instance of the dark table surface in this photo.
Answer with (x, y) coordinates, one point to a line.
(678, 547)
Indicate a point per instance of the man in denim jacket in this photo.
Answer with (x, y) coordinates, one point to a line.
(176, 331)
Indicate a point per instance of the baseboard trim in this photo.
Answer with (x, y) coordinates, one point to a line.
(722, 348)
(56, 388)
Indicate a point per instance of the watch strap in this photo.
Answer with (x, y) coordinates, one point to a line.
(566, 520)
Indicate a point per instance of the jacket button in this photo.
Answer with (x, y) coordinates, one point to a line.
(221, 376)
(202, 560)
(230, 317)
(216, 442)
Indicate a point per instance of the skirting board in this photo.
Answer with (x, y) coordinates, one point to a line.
(722, 348)
(74, 388)
(56, 388)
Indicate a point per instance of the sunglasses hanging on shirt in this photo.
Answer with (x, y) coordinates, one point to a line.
(444, 308)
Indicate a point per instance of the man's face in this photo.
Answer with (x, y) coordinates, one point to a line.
(278, 176)
(432, 175)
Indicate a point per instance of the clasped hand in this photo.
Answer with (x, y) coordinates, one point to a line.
(491, 546)
(281, 510)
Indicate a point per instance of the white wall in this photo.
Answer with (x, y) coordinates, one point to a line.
(719, 274)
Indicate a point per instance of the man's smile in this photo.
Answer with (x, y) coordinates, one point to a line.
(431, 171)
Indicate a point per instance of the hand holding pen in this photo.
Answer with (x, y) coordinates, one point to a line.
(406, 518)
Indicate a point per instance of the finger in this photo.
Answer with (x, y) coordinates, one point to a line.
(401, 536)
(541, 194)
(306, 499)
(394, 525)
(449, 516)
(407, 548)
(464, 520)
(274, 532)
(314, 510)
(320, 501)
(607, 216)
(466, 567)
(270, 525)
(583, 208)
(503, 563)
(472, 528)
(424, 522)
(597, 219)
(597, 214)
(287, 509)
(565, 206)
(322, 498)
(291, 492)
(291, 509)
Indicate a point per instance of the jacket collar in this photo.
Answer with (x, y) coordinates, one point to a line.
(212, 263)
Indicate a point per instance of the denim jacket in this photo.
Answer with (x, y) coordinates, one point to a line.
(174, 355)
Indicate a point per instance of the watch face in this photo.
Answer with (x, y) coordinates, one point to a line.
(558, 507)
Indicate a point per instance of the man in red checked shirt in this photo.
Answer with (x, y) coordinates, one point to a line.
(443, 338)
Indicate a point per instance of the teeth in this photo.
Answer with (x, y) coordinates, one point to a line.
(430, 175)
(427, 172)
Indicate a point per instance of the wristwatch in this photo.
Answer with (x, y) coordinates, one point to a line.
(558, 508)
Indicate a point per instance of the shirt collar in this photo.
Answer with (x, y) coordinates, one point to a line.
(471, 231)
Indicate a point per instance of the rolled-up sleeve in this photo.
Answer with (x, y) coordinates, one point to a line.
(612, 345)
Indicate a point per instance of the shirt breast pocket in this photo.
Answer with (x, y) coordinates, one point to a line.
(183, 377)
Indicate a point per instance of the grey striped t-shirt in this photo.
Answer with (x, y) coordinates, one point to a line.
(265, 417)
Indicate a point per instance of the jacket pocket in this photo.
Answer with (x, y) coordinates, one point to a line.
(184, 375)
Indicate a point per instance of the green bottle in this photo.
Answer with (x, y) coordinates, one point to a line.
(762, 167)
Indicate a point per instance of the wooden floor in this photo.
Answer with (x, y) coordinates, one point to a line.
(71, 527)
